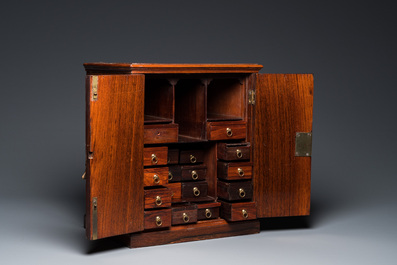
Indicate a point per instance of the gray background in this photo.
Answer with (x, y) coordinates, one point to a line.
(349, 46)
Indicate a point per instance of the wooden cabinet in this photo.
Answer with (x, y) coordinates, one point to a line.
(181, 152)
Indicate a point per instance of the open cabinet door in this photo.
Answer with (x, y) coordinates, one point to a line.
(114, 188)
(282, 144)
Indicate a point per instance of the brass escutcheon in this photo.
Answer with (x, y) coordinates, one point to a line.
(196, 191)
(245, 213)
(229, 132)
(158, 201)
(159, 222)
(185, 217)
(193, 159)
(194, 175)
(155, 160)
(241, 192)
(239, 153)
(156, 179)
(170, 176)
(208, 213)
(240, 172)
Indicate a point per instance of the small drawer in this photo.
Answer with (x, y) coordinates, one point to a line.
(155, 176)
(155, 156)
(239, 211)
(194, 190)
(234, 152)
(176, 194)
(174, 174)
(235, 191)
(160, 133)
(157, 219)
(157, 198)
(194, 173)
(173, 156)
(231, 130)
(184, 214)
(206, 211)
(234, 170)
(191, 156)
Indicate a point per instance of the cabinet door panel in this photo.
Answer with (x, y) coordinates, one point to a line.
(114, 155)
(283, 107)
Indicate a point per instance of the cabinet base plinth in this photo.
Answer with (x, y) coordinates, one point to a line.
(184, 233)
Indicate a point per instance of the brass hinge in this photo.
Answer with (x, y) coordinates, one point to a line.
(94, 85)
(94, 218)
(303, 144)
(251, 97)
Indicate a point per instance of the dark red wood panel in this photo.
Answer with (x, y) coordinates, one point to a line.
(115, 155)
(284, 104)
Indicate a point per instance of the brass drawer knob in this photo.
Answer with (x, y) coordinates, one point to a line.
(155, 160)
(241, 192)
(170, 176)
(193, 159)
(185, 217)
(229, 132)
(159, 222)
(196, 191)
(158, 201)
(208, 213)
(194, 175)
(156, 179)
(240, 172)
(244, 213)
(239, 153)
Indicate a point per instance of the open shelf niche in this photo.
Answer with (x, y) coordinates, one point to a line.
(159, 101)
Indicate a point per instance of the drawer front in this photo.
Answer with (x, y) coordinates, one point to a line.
(234, 152)
(157, 219)
(157, 198)
(235, 191)
(194, 173)
(184, 215)
(174, 174)
(176, 194)
(235, 170)
(239, 211)
(226, 131)
(194, 190)
(173, 156)
(191, 156)
(160, 133)
(155, 156)
(208, 211)
(156, 176)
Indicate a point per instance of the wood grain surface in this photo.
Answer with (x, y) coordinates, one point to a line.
(228, 151)
(218, 130)
(230, 170)
(150, 219)
(151, 198)
(161, 174)
(161, 133)
(161, 154)
(230, 191)
(233, 211)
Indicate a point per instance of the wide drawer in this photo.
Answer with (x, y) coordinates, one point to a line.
(160, 133)
(155, 176)
(155, 156)
(157, 198)
(235, 191)
(239, 211)
(234, 170)
(234, 151)
(231, 130)
(194, 190)
(184, 214)
(157, 219)
(193, 173)
(191, 156)
(206, 211)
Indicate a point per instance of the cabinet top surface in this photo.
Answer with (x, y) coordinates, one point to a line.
(151, 68)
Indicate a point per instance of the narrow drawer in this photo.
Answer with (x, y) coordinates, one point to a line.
(231, 130)
(234, 170)
(173, 156)
(157, 198)
(191, 156)
(176, 194)
(155, 176)
(194, 190)
(157, 219)
(234, 151)
(206, 211)
(194, 173)
(235, 191)
(155, 156)
(160, 133)
(184, 214)
(239, 211)
(174, 174)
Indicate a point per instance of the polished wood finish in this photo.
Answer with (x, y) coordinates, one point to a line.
(234, 170)
(185, 156)
(176, 191)
(159, 98)
(230, 191)
(187, 189)
(200, 173)
(151, 195)
(229, 151)
(111, 172)
(283, 107)
(208, 229)
(160, 133)
(234, 211)
(184, 214)
(160, 155)
(152, 223)
(173, 156)
(155, 176)
(219, 130)
(212, 208)
(176, 173)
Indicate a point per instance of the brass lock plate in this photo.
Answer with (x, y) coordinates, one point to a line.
(303, 144)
